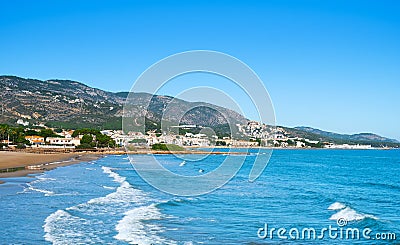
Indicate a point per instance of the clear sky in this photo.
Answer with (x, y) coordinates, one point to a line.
(332, 65)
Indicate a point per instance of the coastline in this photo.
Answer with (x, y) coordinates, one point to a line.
(32, 163)
(291, 148)
(24, 163)
(20, 164)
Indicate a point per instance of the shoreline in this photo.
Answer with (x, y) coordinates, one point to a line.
(34, 163)
(22, 164)
(291, 148)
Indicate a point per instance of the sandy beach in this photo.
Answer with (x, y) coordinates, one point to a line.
(49, 161)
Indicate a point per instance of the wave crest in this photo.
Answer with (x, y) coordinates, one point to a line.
(83, 223)
(132, 229)
(348, 213)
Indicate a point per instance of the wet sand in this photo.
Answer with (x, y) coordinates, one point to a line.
(46, 162)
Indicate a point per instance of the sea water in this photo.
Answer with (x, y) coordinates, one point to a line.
(106, 202)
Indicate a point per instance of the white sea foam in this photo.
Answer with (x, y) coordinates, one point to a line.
(108, 187)
(32, 188)
(42, 178)
(45, 192)
(130, 228)
(58, 162)
(39, 179)
(52, 226)
(62, 227)
(347, 213)
(117, 178)
(336, 206)
(124, 194)
(133, 230)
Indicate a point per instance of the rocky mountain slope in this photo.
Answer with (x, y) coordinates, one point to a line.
(347, 137)
(74, 104)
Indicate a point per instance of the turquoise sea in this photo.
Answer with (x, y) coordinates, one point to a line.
(106, 202)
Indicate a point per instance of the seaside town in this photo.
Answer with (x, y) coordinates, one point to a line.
(41, 137)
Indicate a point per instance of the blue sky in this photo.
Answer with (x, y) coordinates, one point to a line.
(332, 65)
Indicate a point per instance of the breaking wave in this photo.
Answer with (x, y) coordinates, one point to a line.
(132, 229)
(336, 206)
(83, 223)
(347, 213)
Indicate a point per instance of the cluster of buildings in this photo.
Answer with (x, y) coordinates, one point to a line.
(268, 135)
(347, 146)
(257, 134)
(277, 137)
(152, 138)
(188, 139)
(53, 142)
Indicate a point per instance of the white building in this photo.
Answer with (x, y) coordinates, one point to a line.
(22, 122)
(63, 141)
(35, 140)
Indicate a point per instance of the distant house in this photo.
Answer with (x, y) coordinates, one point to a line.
(185, 126)
(22, 122)
(199, 142)
(35, 140)
(120, 140)
(312, 141)
(280, 136)
(56, 141)
(300, 144)
(243, 143)
(66, 134)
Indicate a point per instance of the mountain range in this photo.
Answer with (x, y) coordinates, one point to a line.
(72, 104)
(347, 137)
(325, 136)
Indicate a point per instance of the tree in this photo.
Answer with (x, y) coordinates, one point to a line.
(20, 146)
(138, 141)
(3, 131)
(84, 146)
(46, 132)
(87, 139)
(84, 131)
(167, 147)
(291, 142)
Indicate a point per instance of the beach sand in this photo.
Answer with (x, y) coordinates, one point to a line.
(22, 159)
